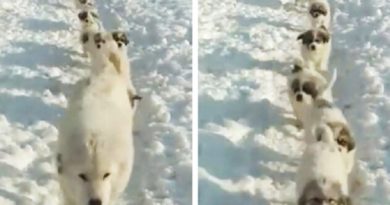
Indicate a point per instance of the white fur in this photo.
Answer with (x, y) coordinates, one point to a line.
(317, 59)
(302, 108)
(320, 20)
(322, 160)
(95, 138)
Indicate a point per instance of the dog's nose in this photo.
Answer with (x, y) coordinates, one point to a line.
(313, 47)
(299, 97)
(95, 202)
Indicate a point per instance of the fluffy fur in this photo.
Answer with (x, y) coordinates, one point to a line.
(319, 13)
(316, 48)
(304, 85)
(95, 144)
(322, 176)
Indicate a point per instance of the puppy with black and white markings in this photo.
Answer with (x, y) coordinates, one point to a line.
(90, 24)
(319, 13)
(84, 4)
(322, 177)
(95, 144)
(119, 41)
(305, 85)
(316, 48)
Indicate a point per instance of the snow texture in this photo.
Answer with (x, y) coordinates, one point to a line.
(41, 60)
(248, 150)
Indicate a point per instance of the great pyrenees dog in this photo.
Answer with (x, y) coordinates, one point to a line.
(95, 144)
(322, 176)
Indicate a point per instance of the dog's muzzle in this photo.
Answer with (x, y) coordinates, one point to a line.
(312, 47)
(299, 97)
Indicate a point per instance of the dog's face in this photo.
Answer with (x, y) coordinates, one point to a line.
(318, 9)
(303, 89)
(323, 192)
(120, 38)
(315, 39)
(88, 18)
(86, 182)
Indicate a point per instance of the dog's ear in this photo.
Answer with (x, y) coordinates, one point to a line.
(345, 139)
(324, 35)
(310, 88)
(94, 14)
(83, 15)
(125, 39)
(59, 163)
(300, 37)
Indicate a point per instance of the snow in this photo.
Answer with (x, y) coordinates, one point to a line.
(248, 150)
(40, 61)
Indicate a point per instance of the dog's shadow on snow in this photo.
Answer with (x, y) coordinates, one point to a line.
(225, 159)
(34, 54)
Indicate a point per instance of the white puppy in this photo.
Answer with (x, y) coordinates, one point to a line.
(304, 85)
(319, 13)
(322, 178)
(84, 4)
(327, 113)
(316, 48)
(95, 144)
(90, 24)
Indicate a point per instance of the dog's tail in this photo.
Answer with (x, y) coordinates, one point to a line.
(327, 93)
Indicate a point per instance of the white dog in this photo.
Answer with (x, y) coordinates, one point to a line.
(90, 24)
(322, 177)
(95, 144)
(319, 13)
(84, 4)
(316, 48)
(305, 85)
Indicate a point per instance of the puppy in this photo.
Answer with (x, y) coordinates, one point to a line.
(322, 176)
(90, 24)
(118, 41)
(325, 112)
(315, 48)
(84, 4)
(319, 13)
(95, 144)
(305, 85)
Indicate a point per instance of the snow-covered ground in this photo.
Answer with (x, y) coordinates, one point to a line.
(40, 61)
(248, 153)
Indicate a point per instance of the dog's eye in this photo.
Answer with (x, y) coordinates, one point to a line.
(106, 175)
(342, 142)
(83, 177)
(318, 41)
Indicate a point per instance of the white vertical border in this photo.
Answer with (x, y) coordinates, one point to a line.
(195, 102)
